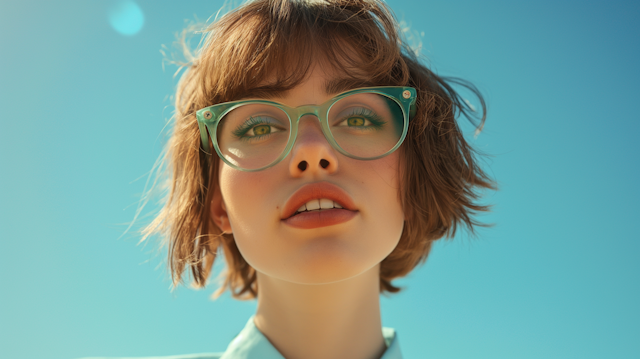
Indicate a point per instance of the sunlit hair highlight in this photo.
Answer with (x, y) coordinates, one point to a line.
(267, 47)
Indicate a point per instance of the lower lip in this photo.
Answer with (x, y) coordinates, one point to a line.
(322, 218)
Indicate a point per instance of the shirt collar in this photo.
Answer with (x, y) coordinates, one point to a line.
(252, 344)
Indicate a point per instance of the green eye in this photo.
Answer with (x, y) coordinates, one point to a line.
(359, 119)
(262, 130)
(257, 128)
(355, 121)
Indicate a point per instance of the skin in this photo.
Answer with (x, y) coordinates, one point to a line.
(318, 288)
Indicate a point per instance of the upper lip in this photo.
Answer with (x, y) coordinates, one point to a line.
(313, 191)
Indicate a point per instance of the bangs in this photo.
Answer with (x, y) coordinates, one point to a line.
(265, 49)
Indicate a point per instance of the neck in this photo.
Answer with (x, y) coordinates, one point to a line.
(336, 320)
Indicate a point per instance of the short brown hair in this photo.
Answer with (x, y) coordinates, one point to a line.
(279, 40)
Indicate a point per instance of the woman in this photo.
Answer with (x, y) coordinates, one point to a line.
(316, 153)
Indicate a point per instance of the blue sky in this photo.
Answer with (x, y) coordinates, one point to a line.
(83, 106)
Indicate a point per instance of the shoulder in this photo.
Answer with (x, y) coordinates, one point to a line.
(184, 356)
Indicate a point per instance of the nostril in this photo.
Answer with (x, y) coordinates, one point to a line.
(302, 165)
(324, 163)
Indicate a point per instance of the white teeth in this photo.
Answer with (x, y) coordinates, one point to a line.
(317, 204)
(313, 205)
(326, 203)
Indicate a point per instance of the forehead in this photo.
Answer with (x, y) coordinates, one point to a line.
(321, 79)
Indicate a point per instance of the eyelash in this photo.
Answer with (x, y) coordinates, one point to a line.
(376, 121)
(252, 122)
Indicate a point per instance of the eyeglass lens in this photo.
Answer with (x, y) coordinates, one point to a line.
(364, 125)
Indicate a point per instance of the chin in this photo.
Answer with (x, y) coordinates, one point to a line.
(321, 258)
(325, 262)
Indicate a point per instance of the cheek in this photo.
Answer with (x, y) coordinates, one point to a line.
(245, 197)
(389, 172)
(376, 186)
(382, 179)
(252, 206)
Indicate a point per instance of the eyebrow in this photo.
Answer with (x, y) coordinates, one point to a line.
(331, 87)
(264, 92)
(336, 86)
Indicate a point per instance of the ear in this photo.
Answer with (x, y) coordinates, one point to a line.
(219, 212)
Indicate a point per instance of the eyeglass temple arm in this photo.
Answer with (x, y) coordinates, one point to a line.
(412, 110)
(204, 137)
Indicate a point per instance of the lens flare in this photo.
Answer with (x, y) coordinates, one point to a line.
(126, 18)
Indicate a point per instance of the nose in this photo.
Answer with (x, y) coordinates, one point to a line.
(312, 154)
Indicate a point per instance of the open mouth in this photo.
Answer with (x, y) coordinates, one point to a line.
(318, 205)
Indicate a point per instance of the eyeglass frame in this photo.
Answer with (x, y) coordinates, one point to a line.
(209, 117)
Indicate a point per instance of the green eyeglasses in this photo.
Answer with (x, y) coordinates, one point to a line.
(252, 135)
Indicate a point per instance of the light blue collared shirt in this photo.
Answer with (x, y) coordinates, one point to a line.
(252, 344)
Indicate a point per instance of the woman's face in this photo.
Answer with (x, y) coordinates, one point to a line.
(318, 246)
